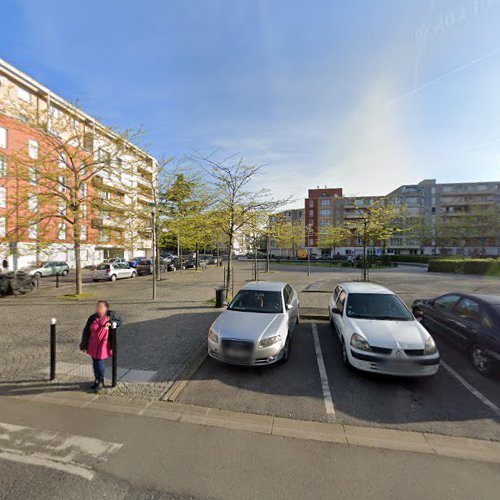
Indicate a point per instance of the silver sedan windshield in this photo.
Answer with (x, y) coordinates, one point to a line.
(262, 301)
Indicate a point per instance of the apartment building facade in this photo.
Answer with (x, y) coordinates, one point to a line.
(295, 217)
(62, 172)
(439, 219)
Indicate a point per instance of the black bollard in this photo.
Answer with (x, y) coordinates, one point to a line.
(114, 366)
(53, 323)
(57, 280)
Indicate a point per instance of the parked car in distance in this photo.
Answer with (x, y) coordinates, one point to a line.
(468, 321)
(50, 268)
(257, 327)
(378, 333)
(112, 272)
(116, 260)
(134, 260)
(145, 266)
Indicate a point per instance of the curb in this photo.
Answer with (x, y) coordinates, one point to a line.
(347, 435)
(184, 377)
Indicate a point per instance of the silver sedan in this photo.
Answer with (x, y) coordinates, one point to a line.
(257, 327)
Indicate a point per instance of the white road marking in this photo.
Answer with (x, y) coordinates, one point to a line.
(56, 450)
(325, 386)
(492, 406)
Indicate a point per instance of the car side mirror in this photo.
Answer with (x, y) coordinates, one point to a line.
(225, 303)
(289, 306)
(418, 314)
(336, 311)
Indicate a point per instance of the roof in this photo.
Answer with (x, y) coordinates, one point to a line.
(271, 286)
(363, 287)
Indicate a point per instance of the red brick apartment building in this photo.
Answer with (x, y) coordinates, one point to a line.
(34, 179)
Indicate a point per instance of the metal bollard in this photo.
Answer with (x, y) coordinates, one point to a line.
(53, 322)
(37, 282)
(57, 280)
(114, 366)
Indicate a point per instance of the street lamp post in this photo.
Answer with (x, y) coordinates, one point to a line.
(153, 246)
(309, 232)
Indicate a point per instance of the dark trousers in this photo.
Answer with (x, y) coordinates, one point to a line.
(99, 367)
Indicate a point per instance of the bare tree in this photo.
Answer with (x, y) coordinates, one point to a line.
(235, 202)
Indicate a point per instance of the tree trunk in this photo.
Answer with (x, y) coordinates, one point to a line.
(365, 263)
(255, 262)
(268, 263)
(77, 248)
(196, 258)
(229, 265)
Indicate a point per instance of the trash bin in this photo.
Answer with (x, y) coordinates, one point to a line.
(219, 297)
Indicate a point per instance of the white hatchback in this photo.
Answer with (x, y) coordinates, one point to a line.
(379, 333)
(112, 272)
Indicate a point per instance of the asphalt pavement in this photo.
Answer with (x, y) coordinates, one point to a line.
(440, 404)
(127, 456)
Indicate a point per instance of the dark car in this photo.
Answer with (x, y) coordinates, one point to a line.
(470, 322)
(134, 261)
(145, 266)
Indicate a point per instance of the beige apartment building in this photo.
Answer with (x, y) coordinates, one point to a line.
(55, 157)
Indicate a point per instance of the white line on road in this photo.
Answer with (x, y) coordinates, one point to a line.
(325, 386)
(472, 390)
(56, 450)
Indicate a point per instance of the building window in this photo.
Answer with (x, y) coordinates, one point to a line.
(54, 112)
(324, 222)
(83, 190)
(103, 235)
(61, 184)
(33, 149)
(325, 203)
(84, 210)
(83, 233)
(33, 176)
(311, 214)
(311, 203)
(311, 242)
(63, 209)
(3, 197)
(88, 142)
(33, 202)
(61, 235)
(3, 137)
(104, 195)
(83, 169)
(3, 167)
(3, 227)
(33, 231)
(325, 212)
(23, 94)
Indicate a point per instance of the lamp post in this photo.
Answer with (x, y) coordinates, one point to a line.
(153, 245)
(309, 233)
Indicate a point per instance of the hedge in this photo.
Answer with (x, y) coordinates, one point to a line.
(465, 266)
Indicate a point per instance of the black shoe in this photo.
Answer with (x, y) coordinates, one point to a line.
(100, 386)
(94, 385)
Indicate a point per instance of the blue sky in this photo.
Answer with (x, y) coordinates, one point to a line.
(361, 94)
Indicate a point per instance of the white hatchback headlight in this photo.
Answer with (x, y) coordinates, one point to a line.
(213, 336)
(269, 341)
(430, 346)
(358, 342)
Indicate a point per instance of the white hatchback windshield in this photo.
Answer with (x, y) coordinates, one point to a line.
(377, 306)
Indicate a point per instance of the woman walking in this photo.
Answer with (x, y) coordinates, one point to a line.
(96, 342)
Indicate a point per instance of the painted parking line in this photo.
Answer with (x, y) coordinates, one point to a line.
(325, 386)
(56, 450)
(492, 406)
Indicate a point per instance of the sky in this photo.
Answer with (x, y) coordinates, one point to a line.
(360, 94)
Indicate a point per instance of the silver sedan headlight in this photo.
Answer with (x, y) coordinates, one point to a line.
(269, 341)
(430, 346)
(358, 342)
(213, 336)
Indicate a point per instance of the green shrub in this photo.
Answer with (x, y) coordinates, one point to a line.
(465, 266)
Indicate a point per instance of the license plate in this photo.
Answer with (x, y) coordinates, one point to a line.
(235, 353)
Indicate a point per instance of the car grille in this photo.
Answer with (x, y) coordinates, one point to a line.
(381, 350)
(414, 352)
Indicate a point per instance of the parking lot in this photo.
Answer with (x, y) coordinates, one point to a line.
(440, 404)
